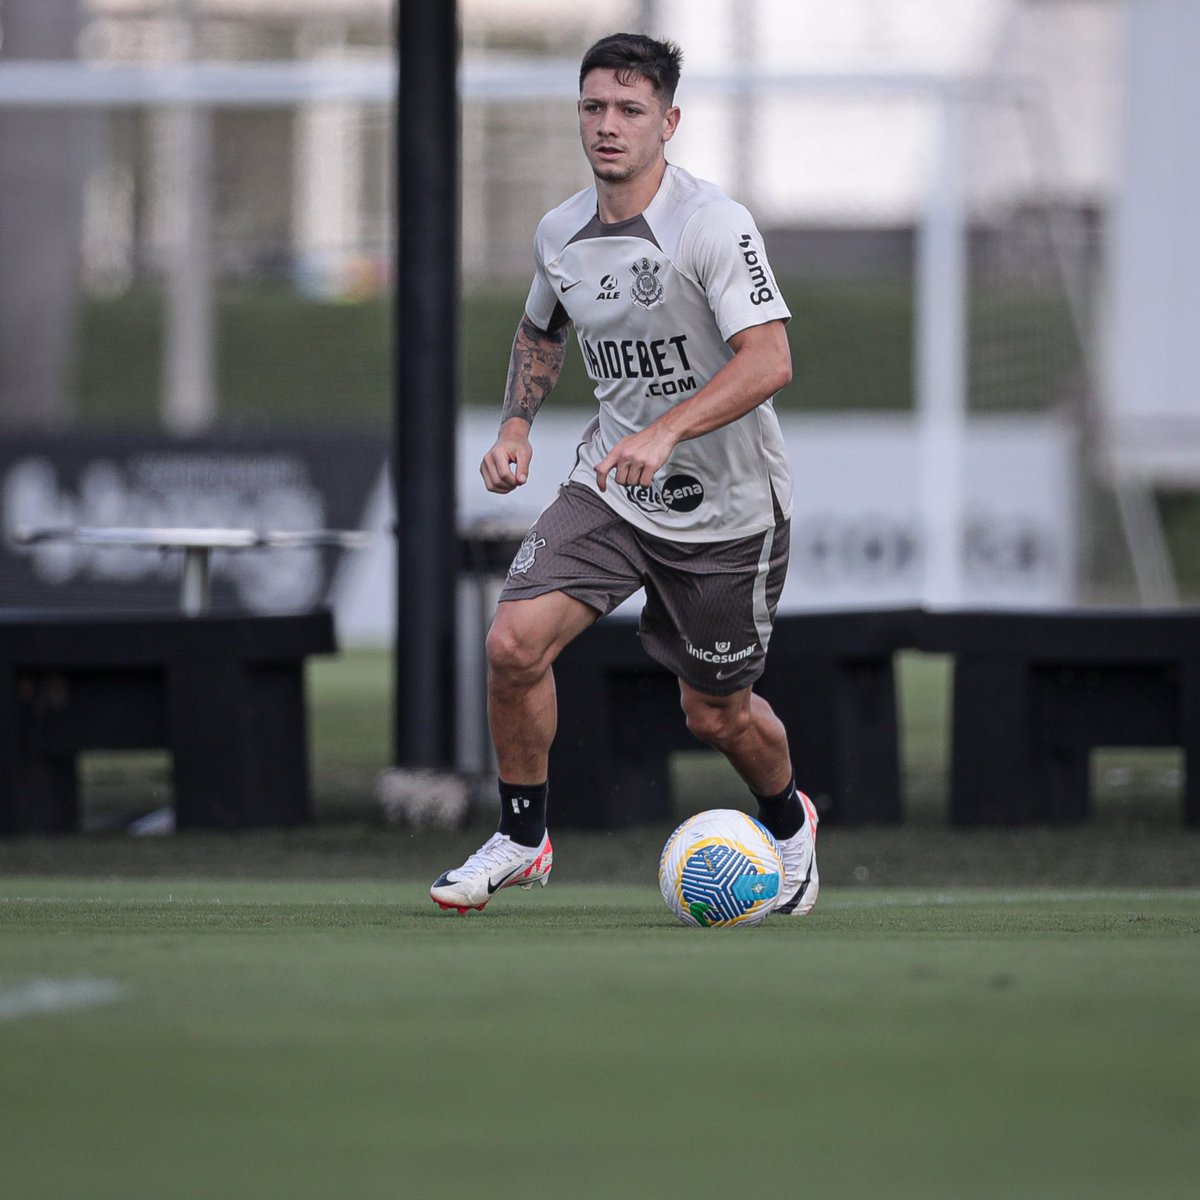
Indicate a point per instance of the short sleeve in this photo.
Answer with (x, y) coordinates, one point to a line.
(723, 251)
(541, 303)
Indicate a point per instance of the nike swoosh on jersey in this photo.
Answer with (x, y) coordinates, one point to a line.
(494, 887)
(566, 287)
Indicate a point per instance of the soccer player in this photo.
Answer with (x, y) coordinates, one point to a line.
(680, 484)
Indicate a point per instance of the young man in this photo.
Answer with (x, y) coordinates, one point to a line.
(680, 485)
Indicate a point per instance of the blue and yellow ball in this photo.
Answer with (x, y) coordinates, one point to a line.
(720, 867)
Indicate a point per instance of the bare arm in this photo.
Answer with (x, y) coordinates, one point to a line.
(760, 366)
(533, 370)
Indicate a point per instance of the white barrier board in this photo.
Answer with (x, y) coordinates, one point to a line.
(857, 537)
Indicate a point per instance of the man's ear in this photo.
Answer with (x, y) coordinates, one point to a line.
(670, 122)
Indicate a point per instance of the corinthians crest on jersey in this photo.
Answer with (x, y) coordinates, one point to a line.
(647, 288)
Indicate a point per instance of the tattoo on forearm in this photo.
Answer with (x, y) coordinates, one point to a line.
(533, 369)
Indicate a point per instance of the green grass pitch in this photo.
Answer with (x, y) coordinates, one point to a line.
(343, 1038)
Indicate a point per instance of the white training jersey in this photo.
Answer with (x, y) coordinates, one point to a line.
(654, 301)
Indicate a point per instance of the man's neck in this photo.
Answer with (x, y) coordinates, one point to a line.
(625, 200)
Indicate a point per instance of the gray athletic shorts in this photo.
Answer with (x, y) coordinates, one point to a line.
(709, 606)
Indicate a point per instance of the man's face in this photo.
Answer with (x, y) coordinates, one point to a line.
(623, 126)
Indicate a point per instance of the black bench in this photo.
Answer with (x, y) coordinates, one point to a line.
(1035, 692)
(829, 677)
(225, 695)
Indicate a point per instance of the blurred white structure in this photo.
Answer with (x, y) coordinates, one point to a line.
(1153, 410)
(968, 148)
(818, 113)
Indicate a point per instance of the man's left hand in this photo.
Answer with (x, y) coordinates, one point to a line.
(633, 461)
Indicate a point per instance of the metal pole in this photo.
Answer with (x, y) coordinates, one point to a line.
(940, 358)
(42, 159)
(648, 18)
(189, 386)
(744, 107)
(426, 395)
(195, 585)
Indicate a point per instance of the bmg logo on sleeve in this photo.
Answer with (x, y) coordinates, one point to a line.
(756, 265)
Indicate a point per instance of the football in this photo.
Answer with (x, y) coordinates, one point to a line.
(720, 867)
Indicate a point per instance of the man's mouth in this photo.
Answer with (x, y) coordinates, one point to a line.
(607, 151)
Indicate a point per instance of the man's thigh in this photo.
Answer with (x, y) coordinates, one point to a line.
(580, 547)
(710, 608)
(532, 633)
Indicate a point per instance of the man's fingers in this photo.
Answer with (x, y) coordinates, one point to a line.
(633, 461)
(603, 467)
(490, 469)
(504, 468)
(517, 466)
(627, 474)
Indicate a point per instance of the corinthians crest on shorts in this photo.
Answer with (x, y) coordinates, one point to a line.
(527, 553)
(647, 288)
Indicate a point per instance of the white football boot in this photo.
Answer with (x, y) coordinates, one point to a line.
(498, 863)
(798, 892)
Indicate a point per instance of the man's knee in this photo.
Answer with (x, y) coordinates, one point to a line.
(716, 721)
(513, 653)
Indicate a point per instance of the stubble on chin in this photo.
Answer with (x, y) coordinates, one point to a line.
(610, 172)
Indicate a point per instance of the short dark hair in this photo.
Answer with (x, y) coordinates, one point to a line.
(633, 55)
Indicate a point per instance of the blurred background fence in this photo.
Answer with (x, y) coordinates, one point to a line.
(196, 243)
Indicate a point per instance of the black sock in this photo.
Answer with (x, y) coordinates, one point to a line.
(523, 812)
(783, 815)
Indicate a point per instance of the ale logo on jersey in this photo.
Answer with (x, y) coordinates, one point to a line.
(609, 289)
(680, 493)
(647, 288)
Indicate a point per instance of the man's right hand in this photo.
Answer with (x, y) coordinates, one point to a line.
(506, 465)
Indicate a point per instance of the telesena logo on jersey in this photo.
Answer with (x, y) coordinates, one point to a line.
(665, 291)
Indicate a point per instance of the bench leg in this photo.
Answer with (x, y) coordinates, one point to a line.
(39, 793)
(610, 762)
(1061, 713)
(868, 743)
(843, 734)
(43, 797)
(992, 775)
(240, 744)
(1189, 735)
